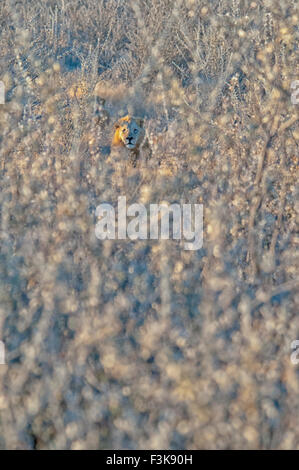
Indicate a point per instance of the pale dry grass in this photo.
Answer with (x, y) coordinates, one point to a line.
(127, 345)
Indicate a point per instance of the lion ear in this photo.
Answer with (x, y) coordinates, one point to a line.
(116, 125)
(140, 122)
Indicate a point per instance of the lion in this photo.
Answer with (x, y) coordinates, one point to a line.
(130, 134)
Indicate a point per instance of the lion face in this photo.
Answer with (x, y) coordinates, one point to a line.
(129, 132)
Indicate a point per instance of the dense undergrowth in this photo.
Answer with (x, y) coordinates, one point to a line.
(141, 344)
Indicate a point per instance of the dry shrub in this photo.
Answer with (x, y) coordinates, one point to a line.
(141, 344)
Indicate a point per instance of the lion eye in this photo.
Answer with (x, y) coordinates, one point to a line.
(124, 130)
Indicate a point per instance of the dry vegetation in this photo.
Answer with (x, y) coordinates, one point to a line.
(141, 344)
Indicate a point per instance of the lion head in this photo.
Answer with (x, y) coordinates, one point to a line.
(129, 132)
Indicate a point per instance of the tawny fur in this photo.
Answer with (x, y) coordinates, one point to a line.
(130, 134)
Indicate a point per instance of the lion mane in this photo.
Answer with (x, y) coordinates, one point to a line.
(129, 133)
